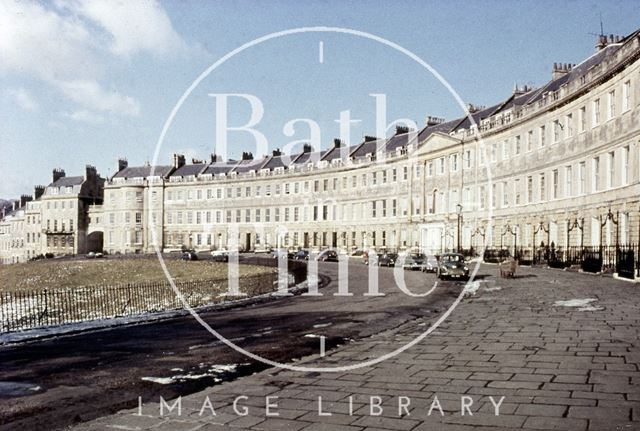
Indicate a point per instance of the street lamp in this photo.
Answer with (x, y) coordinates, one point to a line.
(459, 212)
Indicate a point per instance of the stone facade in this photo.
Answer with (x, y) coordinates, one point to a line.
(525, 171)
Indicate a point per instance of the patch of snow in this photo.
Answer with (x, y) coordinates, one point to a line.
(574, 302)
(223, 368)
(471, 288)
(159, 380)
(322, 325)
(311, 336)
(590, 308)
(492, 289)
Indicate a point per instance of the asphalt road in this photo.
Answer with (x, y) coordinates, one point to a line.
(95, 373)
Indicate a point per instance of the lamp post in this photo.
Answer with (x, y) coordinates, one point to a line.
(459, 212)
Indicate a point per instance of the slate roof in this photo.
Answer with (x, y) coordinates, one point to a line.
(277, 162)
(220, 167)
(337, 153)
(367, 148)
(188, 170)
(67, 182)
(397, 141)
(304, 158)
(249, 165)
(143, 171)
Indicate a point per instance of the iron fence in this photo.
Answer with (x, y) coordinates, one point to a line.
(27, 309)
(623, 259)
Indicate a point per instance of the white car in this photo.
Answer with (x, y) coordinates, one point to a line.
(221, 255)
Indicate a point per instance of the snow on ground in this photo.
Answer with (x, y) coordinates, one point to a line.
(581, 304)
(96, 324)
(574, 302)
(209, 371)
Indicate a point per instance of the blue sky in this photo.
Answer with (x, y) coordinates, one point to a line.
(88, 82)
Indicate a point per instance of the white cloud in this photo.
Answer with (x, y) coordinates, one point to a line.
(134, 26)
(69, 44)
(85, 117)
(92, 96)
(24, 99)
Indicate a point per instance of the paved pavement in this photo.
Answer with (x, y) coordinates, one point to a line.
(557, 367)
(80, 377)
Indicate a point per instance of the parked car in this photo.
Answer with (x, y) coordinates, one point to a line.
(430, 264)
(452, 265)
(328, 255)
(357, 253)
(387, 259)
(414, 261)
(301, 255)
(221, 255)
(189, 255)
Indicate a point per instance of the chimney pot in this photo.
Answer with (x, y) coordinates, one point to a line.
(122, 164)
(178, 161)
(57, 174)
(306, 148)
(38, 192)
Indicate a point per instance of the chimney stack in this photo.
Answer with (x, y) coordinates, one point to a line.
(369, 138)
(247, 155)
(57, 174)
(38, 192)
(90, 172)
(306, 148)
(560, 69)
(601, 42)
(433, 121)
(195, 161)
(24, 199)
(214, 158)
(337, 143)
(401, 129)
(178, 161)
(277, 152)
(122, 164)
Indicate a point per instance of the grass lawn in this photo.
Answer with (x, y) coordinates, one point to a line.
(53, 274)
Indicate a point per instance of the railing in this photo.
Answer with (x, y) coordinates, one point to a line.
(622, 259)
(27, 309)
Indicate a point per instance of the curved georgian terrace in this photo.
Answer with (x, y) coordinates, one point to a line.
(556, 166)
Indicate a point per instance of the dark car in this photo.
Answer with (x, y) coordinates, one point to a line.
(414, 261)
(189, 255)
(328, 255)
(430, 264)
(301, 255)
(452, 265)
(387, 259)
